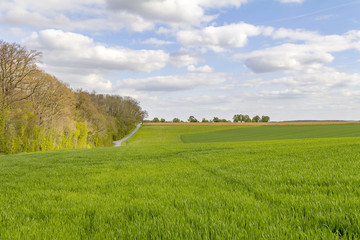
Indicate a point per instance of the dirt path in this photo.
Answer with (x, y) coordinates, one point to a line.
(118, 143)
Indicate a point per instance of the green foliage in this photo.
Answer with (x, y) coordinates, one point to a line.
(3, 120)
(204, 120)
(192, 119)
(40, 113)
(81, 134)
(265, 118)
(256, 118)
(281, 189)
(216, 119)
(247, 118)
(176, 120)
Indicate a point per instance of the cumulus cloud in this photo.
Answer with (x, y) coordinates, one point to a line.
(138, 15)
(172, 11)
(204, 69)
(59, 14)
(291, 1)
(314, 51)
(220, 38)
(80, 61)
(184, 57)
(91, 82)
(286, 57)
(155, 41)
(173, 82)
(79, 51)
(328, 43)
(319, 81)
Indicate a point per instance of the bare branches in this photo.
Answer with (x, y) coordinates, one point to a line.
(18, 73)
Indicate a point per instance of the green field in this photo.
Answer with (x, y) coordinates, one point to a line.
(273, 132)
(157, 187)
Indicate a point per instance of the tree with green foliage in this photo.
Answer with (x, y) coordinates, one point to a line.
(38, 112)
(156, 119)
(245, 118)
(192, 119)
(256, 118)
(204, 120)
(162, 120)
(265, 119)
(176, 120)
(239, 118)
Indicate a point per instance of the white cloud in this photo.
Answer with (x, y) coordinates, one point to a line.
(285, 57)
(173, 82)
(313, 53)
(291, 1)
(298, 34)
(155, 41)
(81, 52)
(328, 43)
(184, 57)
(172, 11)
(204, 69)
(78, 60)
(60, 14)
(220, 38)
(315, 82)
(165, 11)
(92, 82)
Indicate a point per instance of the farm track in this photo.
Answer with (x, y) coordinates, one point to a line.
(119, 142)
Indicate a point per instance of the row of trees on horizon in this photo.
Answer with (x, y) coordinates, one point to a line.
(236, 118)
(38, 112)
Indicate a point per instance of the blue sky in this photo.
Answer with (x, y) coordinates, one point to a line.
(288, 59)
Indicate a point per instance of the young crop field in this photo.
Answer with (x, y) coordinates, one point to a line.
(158, 187)
(274, 132)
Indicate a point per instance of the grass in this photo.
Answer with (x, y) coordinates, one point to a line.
(261, 133)
(165, 189)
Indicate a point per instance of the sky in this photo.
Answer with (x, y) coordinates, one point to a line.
(288, 59)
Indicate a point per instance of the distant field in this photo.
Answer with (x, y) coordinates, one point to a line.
(275, 132)
(157, 187)
(247, 124)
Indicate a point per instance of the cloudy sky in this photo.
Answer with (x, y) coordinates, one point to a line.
(289, 59)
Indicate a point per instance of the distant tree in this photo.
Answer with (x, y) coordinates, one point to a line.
(156, 119)
(265, 119)
(162, 120)
(216, 119)
(236, 118)
(192, 119)
(245, 118)
(204, 120)
(176, 120)
(242, 117)
(256, 118)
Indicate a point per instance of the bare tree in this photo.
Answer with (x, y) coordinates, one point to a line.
(51, 100)
(18, 73)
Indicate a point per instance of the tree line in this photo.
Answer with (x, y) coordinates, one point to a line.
(237, 118)
(38, 112)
